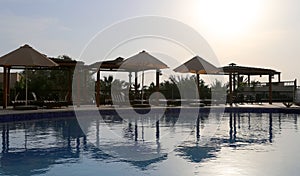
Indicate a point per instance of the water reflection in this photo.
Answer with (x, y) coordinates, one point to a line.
(5, 138)
(232, 131)
(35, 161)
(241, 134)
(195, 151)
(34, 147)
(270, 128)
(141, 144)
(296, 122)
(31, 147)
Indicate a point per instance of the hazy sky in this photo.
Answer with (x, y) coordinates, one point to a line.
(248, 32)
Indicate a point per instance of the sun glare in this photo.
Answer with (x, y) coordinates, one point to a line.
(228, 17)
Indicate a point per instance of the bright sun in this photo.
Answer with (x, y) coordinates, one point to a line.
(228, 17)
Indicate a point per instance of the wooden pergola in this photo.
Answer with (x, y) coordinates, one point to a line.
(235, 71)
(63, 64)
(111, 66)
(115, 66)
(69, 66)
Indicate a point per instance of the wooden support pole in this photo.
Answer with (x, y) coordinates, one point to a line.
(279, 77)
(270, 89)
(234, 82)
(157, 80)
(4, 103)
(198, 84)
(85, 73)
(129, 88)
(238, 81)
(249, 80)
(98, 89)
(130, 81)
(135, 84)
(8, 84)
(230, 89)
(78, 87)
(157, 85)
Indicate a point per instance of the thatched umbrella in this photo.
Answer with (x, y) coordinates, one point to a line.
(23, 57)
(141, 62)
(198, 66)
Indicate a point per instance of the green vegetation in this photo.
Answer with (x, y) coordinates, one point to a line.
(55, 84)
(49, 84)
(182, 87)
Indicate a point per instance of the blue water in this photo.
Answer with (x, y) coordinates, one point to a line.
(221, 144)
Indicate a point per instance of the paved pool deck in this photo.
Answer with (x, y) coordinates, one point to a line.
(11, 115)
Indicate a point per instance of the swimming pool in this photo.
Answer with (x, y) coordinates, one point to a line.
(221, 144)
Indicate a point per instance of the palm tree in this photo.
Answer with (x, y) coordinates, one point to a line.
(119, 85)
(169, 90)
(105, 87)
(188, 88)
(219, 90)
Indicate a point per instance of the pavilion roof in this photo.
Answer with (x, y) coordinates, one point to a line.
(110, 65)
(66, 62)
(243, 70)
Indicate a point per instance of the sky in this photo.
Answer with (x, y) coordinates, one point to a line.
(259, 33)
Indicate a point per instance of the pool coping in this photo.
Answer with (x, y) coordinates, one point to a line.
(14, 116)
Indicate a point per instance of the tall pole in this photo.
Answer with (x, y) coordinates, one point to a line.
(238, 81)
(85, 73)
(4, 88)
(78, 86)
(230, 89)
(26, 87)
(234, 81)
(270, 89)
(198, 84)
(157, 79)
(98, 89)
(8, 83)
(135, 84)
(157, 85)
(249, 80)
(130, 76)
(129, 88)
(142, 87)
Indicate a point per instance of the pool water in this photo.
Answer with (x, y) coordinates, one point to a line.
(218, 144)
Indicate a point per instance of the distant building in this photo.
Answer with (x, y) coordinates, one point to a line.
(14, 78)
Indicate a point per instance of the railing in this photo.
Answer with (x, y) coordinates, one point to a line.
(281, 92)
(266, 84)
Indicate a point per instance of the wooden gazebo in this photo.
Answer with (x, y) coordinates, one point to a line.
(117, 66)
(69, 65)
(235, 71)
(110, 65)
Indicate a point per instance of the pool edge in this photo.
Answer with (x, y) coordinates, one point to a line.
(23, 116)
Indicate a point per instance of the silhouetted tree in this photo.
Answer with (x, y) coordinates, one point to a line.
(218, 90)
(181, 87)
